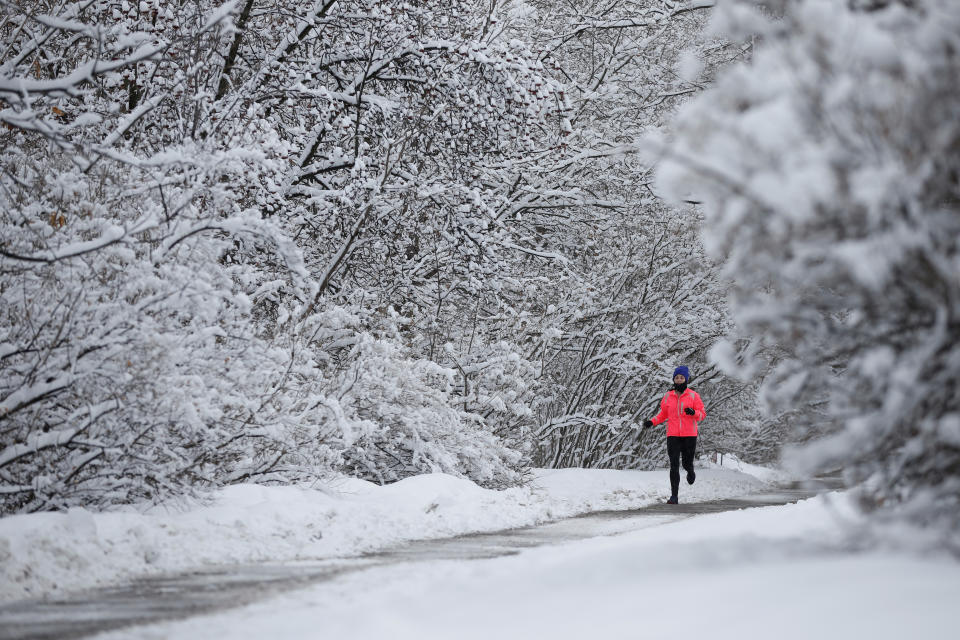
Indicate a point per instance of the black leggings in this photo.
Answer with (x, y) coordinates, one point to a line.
(678, 446)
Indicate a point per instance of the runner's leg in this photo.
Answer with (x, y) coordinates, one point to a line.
(688, 449)
(673, 451)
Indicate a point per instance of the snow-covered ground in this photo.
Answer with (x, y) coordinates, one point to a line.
(774, 572)
(48, 553)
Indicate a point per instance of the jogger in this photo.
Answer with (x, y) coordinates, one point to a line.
(682, 408)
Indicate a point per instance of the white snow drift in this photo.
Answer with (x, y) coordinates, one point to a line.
(46, 553)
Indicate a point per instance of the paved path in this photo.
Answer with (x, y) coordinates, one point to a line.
(183, 595)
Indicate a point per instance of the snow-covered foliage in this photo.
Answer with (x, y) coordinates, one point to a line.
(265, 241)
(206, 210)
(637, 297)
(830, 172)
(126, 355)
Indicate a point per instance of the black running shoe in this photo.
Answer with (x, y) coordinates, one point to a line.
(672, 500)
(691, 477)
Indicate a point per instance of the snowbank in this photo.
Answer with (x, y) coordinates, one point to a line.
(766, 474)
(785, 572)
(46, 553)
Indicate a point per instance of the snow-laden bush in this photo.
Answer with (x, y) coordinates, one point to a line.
(396, 416)
(634, 297)
(127, 358)
(654, 304)
(829, 165)
(175, 212)
(206, 206)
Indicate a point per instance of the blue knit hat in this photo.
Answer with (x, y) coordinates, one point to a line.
(683, 371)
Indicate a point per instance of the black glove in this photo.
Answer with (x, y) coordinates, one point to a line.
(647, 424)
(689, 411)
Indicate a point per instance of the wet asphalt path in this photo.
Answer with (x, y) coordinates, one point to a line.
(183, 595)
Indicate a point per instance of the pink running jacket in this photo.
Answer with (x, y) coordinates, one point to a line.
(678, 422)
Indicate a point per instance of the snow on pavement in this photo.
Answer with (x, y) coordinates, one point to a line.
(46, 554)
(784, 572)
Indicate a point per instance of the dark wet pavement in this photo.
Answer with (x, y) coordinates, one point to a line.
(183, 595)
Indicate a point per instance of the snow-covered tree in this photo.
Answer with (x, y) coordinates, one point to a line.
(264, 241)
(830, 174)
(128, 360)
(406, 125)
(635, 297)
(184, 193)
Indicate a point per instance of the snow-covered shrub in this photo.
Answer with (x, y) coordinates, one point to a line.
(652, 304)
(211, 209)
(126, 352)
(634, 296)
(175, 213)
(830, 172)
(395, 416)
(355, 400)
